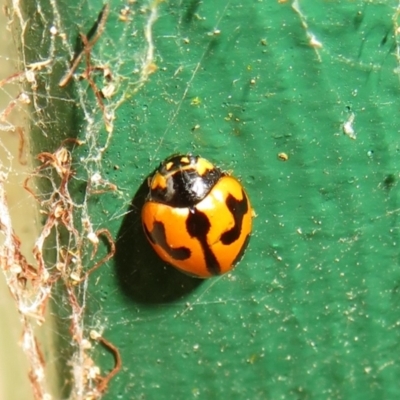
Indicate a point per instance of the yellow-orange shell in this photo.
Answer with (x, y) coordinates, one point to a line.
(219, 206)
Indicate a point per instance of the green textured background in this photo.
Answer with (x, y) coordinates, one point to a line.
(312, 311)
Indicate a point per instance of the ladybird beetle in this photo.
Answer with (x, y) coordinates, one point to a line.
(196, 217)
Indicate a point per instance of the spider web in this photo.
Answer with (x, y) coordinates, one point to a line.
(103, 81)
(72, 243)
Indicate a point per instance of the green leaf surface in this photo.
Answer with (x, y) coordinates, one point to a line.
(312, 310)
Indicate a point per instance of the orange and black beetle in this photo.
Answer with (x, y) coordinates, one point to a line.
(196, 217)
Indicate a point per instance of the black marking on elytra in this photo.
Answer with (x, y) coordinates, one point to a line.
(198, 226)
(238, 209)
(157, 236)
(242, 250)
